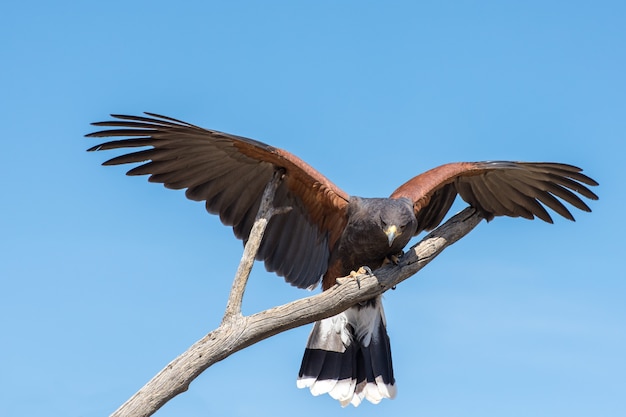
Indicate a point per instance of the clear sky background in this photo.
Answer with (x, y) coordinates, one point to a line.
(105, 278)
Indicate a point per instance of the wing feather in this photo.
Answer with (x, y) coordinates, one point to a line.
(498, 188)
(229, 173)
(520, 203)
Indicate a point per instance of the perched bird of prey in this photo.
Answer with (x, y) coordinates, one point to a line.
(328, 233)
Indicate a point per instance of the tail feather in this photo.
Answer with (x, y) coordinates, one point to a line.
(348, 356)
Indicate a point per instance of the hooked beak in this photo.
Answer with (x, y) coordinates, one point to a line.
(392, 233)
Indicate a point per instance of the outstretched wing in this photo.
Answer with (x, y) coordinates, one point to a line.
(230, 173)
(497, 188)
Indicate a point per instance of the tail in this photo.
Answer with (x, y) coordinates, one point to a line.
(348, 356)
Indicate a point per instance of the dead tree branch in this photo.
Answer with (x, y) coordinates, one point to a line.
(238, 332)
(265, 213)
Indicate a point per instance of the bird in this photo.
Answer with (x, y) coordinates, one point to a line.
(327, 234)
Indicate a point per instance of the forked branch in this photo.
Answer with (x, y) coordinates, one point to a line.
(238, 332)
(263, 216)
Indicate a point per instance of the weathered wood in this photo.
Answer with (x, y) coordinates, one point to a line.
(263, 216)
(238, 332)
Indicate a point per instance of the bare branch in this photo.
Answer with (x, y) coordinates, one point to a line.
(265, 213)
(239, 332)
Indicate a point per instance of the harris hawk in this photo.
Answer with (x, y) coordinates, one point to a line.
(328, 233)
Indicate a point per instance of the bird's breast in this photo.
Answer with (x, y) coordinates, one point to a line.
(361, 245)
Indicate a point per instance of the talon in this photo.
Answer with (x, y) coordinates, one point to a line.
(392, 259)
(365, 270)
(354, 275)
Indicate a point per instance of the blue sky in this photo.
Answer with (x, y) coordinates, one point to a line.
(106, 278)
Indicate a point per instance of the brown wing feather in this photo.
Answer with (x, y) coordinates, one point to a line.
(229, 173)
(497, 188)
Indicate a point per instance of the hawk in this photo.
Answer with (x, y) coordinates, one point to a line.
(328, 233)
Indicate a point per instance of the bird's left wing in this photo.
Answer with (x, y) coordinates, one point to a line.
(230, 173)
(497, 188)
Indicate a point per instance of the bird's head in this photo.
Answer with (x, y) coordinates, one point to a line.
(398, 222)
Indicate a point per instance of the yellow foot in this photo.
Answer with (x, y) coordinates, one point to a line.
(354, 275)
(392, 259)
(362, 271)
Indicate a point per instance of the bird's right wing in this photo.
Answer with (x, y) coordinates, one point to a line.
(229, 173)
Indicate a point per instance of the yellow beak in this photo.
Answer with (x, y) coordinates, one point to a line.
(392, 233)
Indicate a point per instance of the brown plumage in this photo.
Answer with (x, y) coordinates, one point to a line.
(329, 233)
